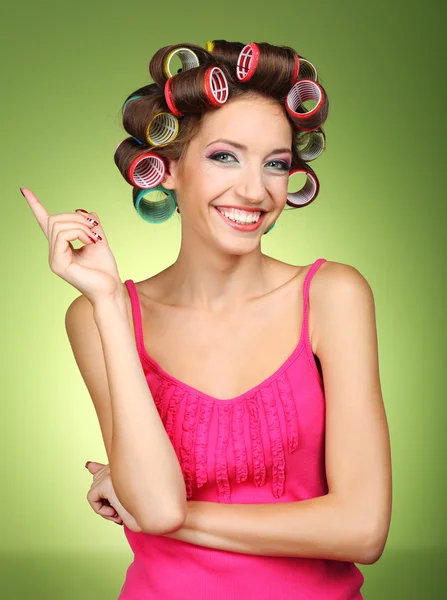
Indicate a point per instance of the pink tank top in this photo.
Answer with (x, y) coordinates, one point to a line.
(264, 446)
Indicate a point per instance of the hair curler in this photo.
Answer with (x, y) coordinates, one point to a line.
(307, 193)
(247, 62)
(307, 70)
(129, 100)
(146, 170)
(215, 88)
(188, 58)
(162, 129)
(155, 205)
(306, 89)
(314, 145)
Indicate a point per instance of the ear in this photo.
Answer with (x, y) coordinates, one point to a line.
(169, 182)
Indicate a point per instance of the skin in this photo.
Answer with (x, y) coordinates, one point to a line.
(218, 266)
(220, 279)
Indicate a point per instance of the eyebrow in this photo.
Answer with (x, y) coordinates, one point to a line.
(242, 147)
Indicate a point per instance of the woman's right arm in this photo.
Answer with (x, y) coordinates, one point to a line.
(144, 467)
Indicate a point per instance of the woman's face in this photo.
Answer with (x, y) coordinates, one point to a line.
(240, 158)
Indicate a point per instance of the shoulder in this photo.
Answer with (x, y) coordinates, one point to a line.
(339, 278)
(339, 292)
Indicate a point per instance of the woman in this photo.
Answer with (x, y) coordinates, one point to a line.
(243, 464)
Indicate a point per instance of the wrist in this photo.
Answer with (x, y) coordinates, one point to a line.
(106, 306)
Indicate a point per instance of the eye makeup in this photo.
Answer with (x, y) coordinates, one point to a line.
(215, 156)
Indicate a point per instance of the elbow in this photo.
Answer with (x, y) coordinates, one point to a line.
(165, 524)
(373, 548)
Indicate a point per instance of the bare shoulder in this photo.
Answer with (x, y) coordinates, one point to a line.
(337, 291)
(339, 277)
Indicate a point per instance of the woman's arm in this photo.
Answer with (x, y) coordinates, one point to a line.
(145, 471)
(352, 521)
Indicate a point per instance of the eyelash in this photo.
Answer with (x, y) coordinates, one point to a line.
(285, 165)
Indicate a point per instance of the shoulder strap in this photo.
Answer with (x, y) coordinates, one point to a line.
(305, 325)
(136, 312)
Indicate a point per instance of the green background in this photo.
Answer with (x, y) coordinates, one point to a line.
(67, 68)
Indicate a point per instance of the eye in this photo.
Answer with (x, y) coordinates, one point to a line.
(216, 156)
(281, 165)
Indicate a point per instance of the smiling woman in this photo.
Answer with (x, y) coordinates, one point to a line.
(240, 405)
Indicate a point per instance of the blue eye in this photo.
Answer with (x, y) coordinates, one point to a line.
(217, 156)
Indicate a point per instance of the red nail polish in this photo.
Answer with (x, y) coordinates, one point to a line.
(82, 210)
(87, 463)
(21, 191)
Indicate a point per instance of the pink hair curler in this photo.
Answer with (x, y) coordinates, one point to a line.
(168, 98)
(146, 170)
(216, 86)
(307, 193)
(247, 62)
(296, 69)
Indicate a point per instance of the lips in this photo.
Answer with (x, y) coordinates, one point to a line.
(241, 226)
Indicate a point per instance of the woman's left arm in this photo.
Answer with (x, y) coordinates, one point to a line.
(351, 522)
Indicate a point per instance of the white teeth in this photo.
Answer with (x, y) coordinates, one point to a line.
(240, 216)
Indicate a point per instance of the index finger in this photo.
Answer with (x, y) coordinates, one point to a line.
(38, 209)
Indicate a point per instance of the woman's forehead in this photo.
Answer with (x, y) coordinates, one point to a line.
(245, 119)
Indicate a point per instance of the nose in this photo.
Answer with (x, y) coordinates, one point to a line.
(250, 185)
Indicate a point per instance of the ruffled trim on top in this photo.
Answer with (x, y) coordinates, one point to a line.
(262, 407)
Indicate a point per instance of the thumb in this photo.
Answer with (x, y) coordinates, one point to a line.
(93, 467)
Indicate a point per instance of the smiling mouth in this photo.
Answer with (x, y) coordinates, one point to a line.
(240, 216)
(241, 225)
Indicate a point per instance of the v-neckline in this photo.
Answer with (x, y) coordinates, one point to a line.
(144, 354)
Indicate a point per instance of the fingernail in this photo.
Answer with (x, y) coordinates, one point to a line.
(81, 209)
(21, 191)
(87, 463)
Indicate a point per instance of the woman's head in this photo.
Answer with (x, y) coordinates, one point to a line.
(260, 115)
(240, 156)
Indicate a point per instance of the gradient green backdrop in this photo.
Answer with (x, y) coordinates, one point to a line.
(67, 69)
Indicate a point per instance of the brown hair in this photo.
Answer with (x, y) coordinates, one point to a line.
(273, 79)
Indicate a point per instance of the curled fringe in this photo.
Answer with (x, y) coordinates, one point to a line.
(240, 451)
(223, 436)
(259, 469)
(285, 392)
(196, 425)
(276, 445)
(171, 416)
(203, 427)
(161, 394)
(187, 443)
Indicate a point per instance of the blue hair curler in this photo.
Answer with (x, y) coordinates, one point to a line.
(158, 209)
